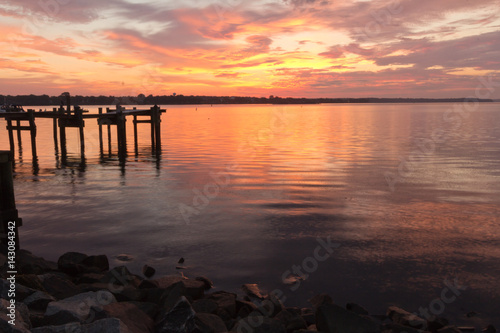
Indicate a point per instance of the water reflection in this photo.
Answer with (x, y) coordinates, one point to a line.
(291, 174)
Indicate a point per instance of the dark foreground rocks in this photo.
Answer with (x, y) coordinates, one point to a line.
(80, 294)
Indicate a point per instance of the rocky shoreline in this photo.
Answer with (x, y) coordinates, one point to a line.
(80, 293)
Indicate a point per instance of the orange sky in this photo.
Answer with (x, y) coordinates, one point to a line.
(297, 48)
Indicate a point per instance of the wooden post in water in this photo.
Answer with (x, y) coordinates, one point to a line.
(19, 139)
(11, 135)
(136, 145)
(31, 119)
(81, 125)
(9, 219)
(157, 129)
(100, 133)
(121, 131)
(152, 116)
(54, 129)
(109, 134)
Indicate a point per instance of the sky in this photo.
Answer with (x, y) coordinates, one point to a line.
(286, 48)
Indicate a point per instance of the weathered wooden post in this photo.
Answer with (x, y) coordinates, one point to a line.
(121, 131)
(136, 144)
(31, 119)
(109, 133)
(100, 132)
(54, 129)
(10, 221)
(11, 135)
(62, 132)
(152, 116)
(19, 139)
(81, 125)
(157, 129)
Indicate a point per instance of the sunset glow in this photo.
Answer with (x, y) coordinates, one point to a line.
(287, 48)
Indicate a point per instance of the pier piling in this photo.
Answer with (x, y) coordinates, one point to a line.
(9, 219)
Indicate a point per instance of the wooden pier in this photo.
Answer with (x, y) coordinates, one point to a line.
(9, 219)
(67, 117)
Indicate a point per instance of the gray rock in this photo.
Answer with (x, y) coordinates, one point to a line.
(356, 308)
(77, 308)
(21, 313)
(21, 291)
(148, 271)
(193, 288)
(149, 309)
(402, 317)
(148, 284)
(120, 276)
(27, 263)
(172, 296)
(59, 285)
(245, 308)
(178, 320)
(331, 318)
(31, 281)
(168, 281)
(204, 306)
(258, 324)
(136, 320)
(71, 263)
(270, 306)
(107, 325)
(100, 262)
(89, 278)
(210, 323)
(38, 301)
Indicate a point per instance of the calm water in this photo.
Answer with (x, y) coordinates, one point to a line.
(410, 192)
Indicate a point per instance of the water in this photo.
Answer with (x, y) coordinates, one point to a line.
(243, 192)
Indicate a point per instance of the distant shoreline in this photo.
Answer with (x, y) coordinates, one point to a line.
(45, 100)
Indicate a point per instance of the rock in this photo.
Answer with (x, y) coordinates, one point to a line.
(434, 323)
(205, 306)
(136, 320)
(225, 301)
(331, 318)
(258, 324)
(178, 320)
(77, 308)
(31, 281)
(155, 295)
(107, 325)
(20, 313)
(253, 291)
(124, 257)
(309, 318)
(402, 317)
(149, 309)
(100, 262)
(148, 284)
(172, 296)
(129, 293)
(148, 271)
(397, 328)
(168, 281)
(270, 306)
(181, 261)
(38, 301)
(59, 285)
(193, 288)
(27, 263)
(89, 278)
(208, 283)
(244, 308)
(321, 299)
(292, 320)
(490, 329)
(356, 308)
(210, 323)
(120, 276)
(449, 329)
(21, 291)
(71, 263)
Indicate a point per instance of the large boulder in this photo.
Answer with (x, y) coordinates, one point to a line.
(136, 320)
(121, 277)
(77, 308)
(38, 301)
(59, 285)
(405, 318)
(71, 263)
(181, 319)
(27, 263)
(331, 318)
(19, 314)
(210, 323)
(107, 325)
